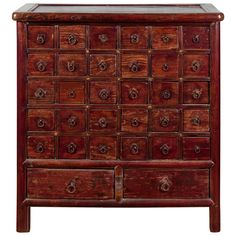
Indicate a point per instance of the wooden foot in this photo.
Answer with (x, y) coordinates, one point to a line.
(23, 219)
(215, 218)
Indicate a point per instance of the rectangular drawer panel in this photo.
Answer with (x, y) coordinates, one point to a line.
(71, 184)
(166, 183)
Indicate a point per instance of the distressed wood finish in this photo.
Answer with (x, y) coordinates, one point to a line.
(118, 105)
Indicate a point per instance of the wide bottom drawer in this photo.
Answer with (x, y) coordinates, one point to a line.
(166, 183)
(67, 183)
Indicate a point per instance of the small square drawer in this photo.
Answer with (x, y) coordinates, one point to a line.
(40, 92)
(71, 147)
(165, 65)
(40, 36)
(196, 37)
(165, 147)
(196, 120)
(196, 65)
(165, 93)
(164, 38)
(85, 184)
(103, 148)
(134, 120)
(41, 120)
(103, 92)
(196, 148)
(164, 120)
(40, 147)
(103, 65)
(134, 92)
(72, 65)
(71, 92)
(103, 37)
(103, 120)
(166, 183)
(134, 148)
(72, 37)
(196, 92)
(134, 65)
(41, 64)
(72, 120)
(134, 37)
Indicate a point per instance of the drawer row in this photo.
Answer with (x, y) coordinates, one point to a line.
(156, 147)
(117, 92)
(134, 120)
(107, 37)
(127, 65)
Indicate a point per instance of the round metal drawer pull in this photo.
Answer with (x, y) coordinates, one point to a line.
(72, 39)
(195, 66)
(104, 94)
(102, 122)
(40, 148)
(133, 93)
(40, 93)
(165, 67)
(71, 148)
(134, 38)
(196, 94)
(164, 121)
(71, 187)
(134, 67)
(41, 123)
(41, 39)
(166, 94)
(135, 122)
(72, 121)
(197, 149)
(165, 39)
(196, 121)
(103, 38)
(102, 65)
(165, 149)
(103, 149)
(196, 38)
(71, 66)
(71, 94)
(165, 184)
(134, 148)
(41, 66)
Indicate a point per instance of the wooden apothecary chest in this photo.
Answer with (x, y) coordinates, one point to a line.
(118, 106)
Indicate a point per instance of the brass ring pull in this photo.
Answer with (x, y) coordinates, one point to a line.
(197, 149)
(165, 67)
(71, 94)
(103, 149)
(134, 67)
(41, 123)
(40, 148)
(71, 148)
(134, 148)
(72, 39)
(196, 94)
(71, 66)
(165, 39)
(196, 121)
(196, 38)
(103, 38)
(133, 93)
(104, 94)
(102, 66)
(195, 66)
(40, 93)
(134, 38)
(41, 39)
(165, 184)
(41, 66)
(165, 149)
(71, 187)
(72, 121)
(164, 121)
(102, 122)
(166, 94)
(135, 122)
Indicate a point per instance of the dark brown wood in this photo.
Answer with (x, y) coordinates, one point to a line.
(118, 105)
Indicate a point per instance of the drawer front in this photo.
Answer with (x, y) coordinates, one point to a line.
(196, 37)
(72, 147)
(134, 65)
(103, 92)
(196, 148)
(72, 120)
(134, 148)
(164, 38)
(102, 65)
(134, 37)
(40, 147)
(41, 64)
(71, 184)
(40, 92)
(40, 36)
(103, 148)
(196, 120)
(41, 120)
(134, 92)
(72, 65)
(72, 92)
(103, 37)
(72, 37)
(134, 120)
(166, 183)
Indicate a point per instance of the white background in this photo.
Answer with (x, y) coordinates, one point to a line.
(116, 221)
